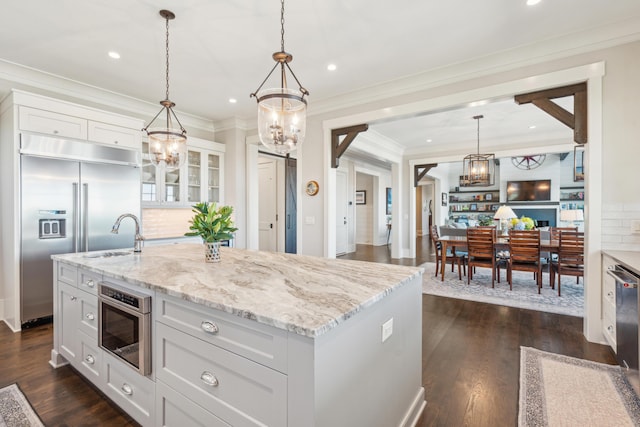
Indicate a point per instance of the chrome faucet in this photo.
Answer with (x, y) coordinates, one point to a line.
(137, 243)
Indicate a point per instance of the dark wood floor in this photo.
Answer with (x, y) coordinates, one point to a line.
(424, 253)
(471, 364)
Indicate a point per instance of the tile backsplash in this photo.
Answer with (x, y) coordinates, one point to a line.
(616, 226)
(165, 223)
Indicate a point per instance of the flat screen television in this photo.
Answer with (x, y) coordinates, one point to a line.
(529, 191)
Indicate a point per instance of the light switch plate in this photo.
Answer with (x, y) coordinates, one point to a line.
(310, 220)
(387, 329)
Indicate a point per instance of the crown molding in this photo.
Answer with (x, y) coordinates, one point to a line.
(16, 76)
(232, 123)
(573, 44)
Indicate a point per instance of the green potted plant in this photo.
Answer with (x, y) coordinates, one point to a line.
(213, 224)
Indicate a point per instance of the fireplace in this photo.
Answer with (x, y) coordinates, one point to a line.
(544, 216)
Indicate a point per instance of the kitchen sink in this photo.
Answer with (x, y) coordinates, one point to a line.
(108, 254)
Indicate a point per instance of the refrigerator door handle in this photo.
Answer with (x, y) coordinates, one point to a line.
(76, 221)
(85, 217)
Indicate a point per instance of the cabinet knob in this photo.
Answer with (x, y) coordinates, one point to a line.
(90, 316)
(610, 328)
(610, 294)
(126, 389)
(209, 327)
(55, 132)
(73, 298)
(90, 359)
(209, 379)
(90, 283)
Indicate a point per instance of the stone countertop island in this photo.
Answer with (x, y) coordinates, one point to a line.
(341, 339)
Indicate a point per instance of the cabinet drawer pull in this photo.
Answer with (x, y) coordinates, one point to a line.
(209, 327)
(90, 283)
(209, 379)
(90, 316)
(126, 389)
(90, 359)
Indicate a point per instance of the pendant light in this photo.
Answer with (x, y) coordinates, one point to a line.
(167, 145)
(282, 112)
(478, 169)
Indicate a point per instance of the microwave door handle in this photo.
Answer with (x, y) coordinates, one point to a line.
(85, 217)
(76, 222)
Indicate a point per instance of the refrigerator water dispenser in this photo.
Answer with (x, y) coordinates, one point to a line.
(52, 228)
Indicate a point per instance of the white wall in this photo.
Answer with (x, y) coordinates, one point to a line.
(364, 213)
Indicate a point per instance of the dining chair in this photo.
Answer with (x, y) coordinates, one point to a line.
(481, 252)
(554, 234)
(570, 257)
(524, 255)
(452, 255)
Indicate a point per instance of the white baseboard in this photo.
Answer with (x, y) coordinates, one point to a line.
(415, 410)
(11, 326)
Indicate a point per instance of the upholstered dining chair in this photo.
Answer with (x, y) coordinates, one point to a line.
(481, 252)
(452, 254)
(570, 257)
(524, 255)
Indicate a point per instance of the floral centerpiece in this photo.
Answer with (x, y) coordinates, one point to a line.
(524, 223)
(213, 224)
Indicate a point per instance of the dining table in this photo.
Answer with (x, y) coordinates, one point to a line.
(500, 244)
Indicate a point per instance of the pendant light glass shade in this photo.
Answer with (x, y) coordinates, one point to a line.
(478, 169)
(167, 144)
(282, 112)
(281, 119)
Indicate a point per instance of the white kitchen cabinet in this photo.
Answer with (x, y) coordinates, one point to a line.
(106, 133)
(200, 178)
(133, 392)
(173, 409)
(608, 302)
(78, 314)
(52, 123)
(234, 388)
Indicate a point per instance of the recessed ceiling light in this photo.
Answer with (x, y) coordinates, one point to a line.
(331, 67)
(232, 100)
(532, 2)
(429, 140)
(532, 127)
(114, 55)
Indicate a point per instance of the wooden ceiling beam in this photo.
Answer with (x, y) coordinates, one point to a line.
(419, 171)
(576, 121)
(337, 147)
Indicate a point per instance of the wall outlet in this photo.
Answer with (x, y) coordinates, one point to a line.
(635, 225)
(387, 329)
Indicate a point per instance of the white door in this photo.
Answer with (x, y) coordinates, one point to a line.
(268, 206)
(342, 205)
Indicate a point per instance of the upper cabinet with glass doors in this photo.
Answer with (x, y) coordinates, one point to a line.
(200, 179)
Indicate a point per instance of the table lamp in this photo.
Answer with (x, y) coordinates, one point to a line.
(572, 215)
(504, 214)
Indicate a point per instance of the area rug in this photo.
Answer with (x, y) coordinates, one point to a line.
(523, 295)
(15, 410)
(559, 390)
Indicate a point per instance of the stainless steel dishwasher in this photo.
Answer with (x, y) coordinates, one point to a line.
(627, 322)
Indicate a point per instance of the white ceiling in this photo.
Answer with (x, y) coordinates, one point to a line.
(222, 49)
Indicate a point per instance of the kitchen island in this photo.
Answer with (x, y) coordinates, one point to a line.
(258, 339)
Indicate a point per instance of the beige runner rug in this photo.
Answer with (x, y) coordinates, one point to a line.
(559, 390)
(15, 409)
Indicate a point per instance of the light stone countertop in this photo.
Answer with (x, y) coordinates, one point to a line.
(302, 294)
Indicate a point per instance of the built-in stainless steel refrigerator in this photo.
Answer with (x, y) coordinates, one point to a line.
(72, 192)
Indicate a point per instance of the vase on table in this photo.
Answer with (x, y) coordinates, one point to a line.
(212, 251)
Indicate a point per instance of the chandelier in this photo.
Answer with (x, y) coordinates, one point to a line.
(168, 144)
(478, 169)
(282, 112)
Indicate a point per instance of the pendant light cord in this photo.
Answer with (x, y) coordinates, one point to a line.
(282, 26)
(167, 65)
